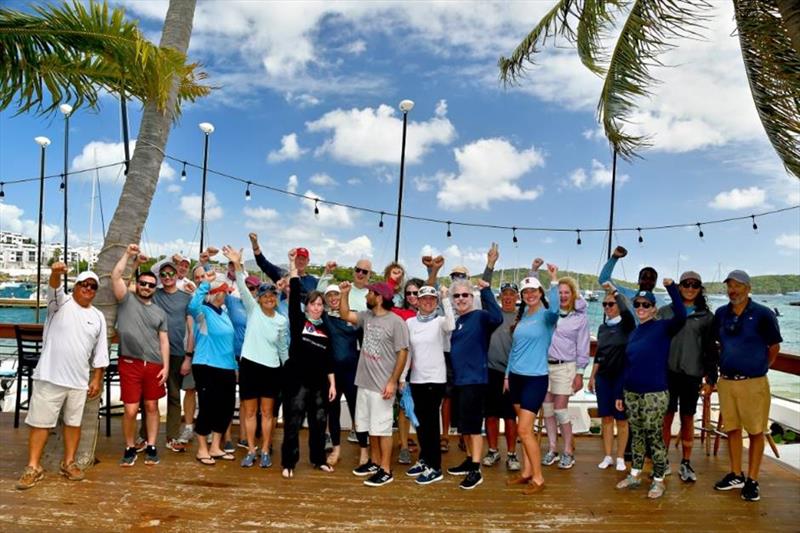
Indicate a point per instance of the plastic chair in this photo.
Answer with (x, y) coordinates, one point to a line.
(29, 349)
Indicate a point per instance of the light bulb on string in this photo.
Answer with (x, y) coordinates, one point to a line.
(641, 239)
(247, 192)
(700, 231)
(579, 242)
(755, 226)
(61, 185)
(449, 233)
(514, 236)
(380, 224)
(316, 208)
(2, 192)
(183, 172)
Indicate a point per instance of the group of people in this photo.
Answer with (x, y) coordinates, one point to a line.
(444, 353)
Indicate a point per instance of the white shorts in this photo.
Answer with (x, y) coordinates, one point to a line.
(47, 401)
(374, 414)
(560, 378)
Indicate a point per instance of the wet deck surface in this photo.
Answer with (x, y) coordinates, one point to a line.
(181, 495)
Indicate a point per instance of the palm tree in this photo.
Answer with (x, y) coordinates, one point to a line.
(769, 36)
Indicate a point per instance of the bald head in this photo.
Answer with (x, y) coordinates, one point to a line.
(361, 273)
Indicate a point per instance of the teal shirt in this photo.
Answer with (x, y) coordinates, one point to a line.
(214, 335)
(266, 339)
(531, 341)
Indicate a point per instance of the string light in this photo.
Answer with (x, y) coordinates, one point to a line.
(2, 192)
(316, 207)
(755, 226)
(449, 233)
(700, 230)
(183, 172)
(247, 192)
(579, 237)
(380, 224)
(514, 236)
(61, 185)
(641, 239)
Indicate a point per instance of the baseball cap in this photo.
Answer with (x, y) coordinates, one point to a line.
(738, 275)
(645, 295)
(383, 289)
(168, 264)
(505, 286)
(332, 288)
(252, 281)
(691, 274)
(427, 290)
(178, 258)
(530, 283)
(87, 274)
(302, 252)
(265, 288)
(460, 269)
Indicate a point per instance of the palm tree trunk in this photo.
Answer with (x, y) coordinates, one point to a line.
(790, 13)
(132, 210)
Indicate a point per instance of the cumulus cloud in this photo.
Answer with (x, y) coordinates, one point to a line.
(99, 153)
(357, 47)
(598, 176)
(489, 170)
(263, 214)
(190, 205)
(174, 188)
(323, 180)
(169, 248)
(291, 185)
(739, 198)
(329, 215)
(290, 150)
(789, 241)
(12, 219)
(441, 108)
(302, 100)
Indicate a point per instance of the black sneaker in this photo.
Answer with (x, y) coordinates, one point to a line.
(750, 491)
(367, 469)
(151, 456)
(730, 481)
(461, 470)
(379, 478)
(472, 480)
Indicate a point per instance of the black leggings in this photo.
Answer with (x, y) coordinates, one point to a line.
(344, 385)
(301, 401)
(427, 401)
(216, 398)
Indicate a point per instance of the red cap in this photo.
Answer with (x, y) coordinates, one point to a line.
(302, 252)
(252, 281)
(383, 289)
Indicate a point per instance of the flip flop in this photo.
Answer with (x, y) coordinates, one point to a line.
(208, 461)
(224, 457)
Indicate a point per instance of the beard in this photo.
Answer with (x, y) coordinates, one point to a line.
(371, 305)
(145, 296)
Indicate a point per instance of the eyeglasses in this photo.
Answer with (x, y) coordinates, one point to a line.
(609, 304)
(461, 295)
(88, 286)
(358, 270)
(167, 274)
(512, 286)
(412, 293)
(458, 275)
(637, 305)
(147, 284)
(691, 284)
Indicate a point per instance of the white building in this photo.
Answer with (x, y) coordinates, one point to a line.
(18, 254)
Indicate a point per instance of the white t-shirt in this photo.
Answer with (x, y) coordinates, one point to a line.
(75, 340)
(426, 347)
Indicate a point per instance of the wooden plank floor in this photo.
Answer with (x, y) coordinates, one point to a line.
(181, 495)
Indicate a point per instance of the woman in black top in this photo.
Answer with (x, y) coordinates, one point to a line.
(309, 379)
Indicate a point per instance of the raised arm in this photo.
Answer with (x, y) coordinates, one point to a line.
(117, 283)
(536, 264)
(344, 304)
(491, 260)
(273, 272)
(195, 306)
(449, 322)
(678, 308)
(492, 311)
(235, 257)
(433, 266)
(55, 295)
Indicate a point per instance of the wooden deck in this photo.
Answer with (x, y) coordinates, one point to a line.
(181, 495)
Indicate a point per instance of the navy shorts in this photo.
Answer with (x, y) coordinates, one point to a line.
(527, 391)
(608, 389)
(498, 403)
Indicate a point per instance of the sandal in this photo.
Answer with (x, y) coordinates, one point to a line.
(444, 445)
(224, 457)
(208, 461)
(519, 480)
(287, 473)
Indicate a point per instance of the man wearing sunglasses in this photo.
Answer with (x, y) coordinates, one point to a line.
(143, 355)
(74, 346)
(358, 289)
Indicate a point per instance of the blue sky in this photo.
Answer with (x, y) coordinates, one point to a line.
(311, 90)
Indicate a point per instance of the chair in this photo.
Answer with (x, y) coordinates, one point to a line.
(29, 349)
(108, 409)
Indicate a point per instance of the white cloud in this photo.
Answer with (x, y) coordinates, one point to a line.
(357, 47)
(489, 169)
(598, 176)
(789, 241)
(739, 198)
(354, 181)
(334, 216)
(302, 100)
(180, 246)
(263, 214)
(290, 150)
(291, 185)
(190, 205)
(99, 153)
(441, 108)
(173, 188)
(11, 219)
(373, 136)
(323, 180)
(473, 258)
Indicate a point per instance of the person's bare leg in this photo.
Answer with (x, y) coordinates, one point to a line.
(385, 457)
(561, 401)
(754, 455)
(608, 435)
(622, 437)
(72, 436)
(247, 419)
(129, 423)
(189, 406)
(687, 435)
(446, 405)
(152, 419)
(375, 449)
(475, 447)
(735, 450)
(404, 428)
(511, 435)
(216, 443)
(533, 456)
(37, 439)
(267, 423)
(493, 431)
(551, 426)
(666, 428)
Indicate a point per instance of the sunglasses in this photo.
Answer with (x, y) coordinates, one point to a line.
(458, 275)
(512, 286)
(637, 305)
(412, 293)
(461, 295)
(167, 274)
(147, 284)
(609, 304)
(358, 270)
(691, 284)
(88, 286)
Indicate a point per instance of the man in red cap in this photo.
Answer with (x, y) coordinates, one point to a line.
(307, 281)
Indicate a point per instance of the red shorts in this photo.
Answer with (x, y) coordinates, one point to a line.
(139, 380)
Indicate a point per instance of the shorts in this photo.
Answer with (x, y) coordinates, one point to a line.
(49, 399)
(685, 389)
(608, 389)
(257, 380)
(498, 403)
(744, 404)
(561, 378)
(139, 380)
(528, 391)
(469, 408)
(374, 415)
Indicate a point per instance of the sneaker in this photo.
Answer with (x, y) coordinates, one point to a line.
(492, 458)
(242, 443)
(379, 478)
(472, 480)
(567, 461)
(266, 460)
(730, 481)
(417, 469)
(630, 482)
(30, 477)
(686, 472)
(621, 464)
(187, 434)
(512, 463)
(352, 437)
(404, 458)
(461, 470)
(750, 491)
(367, 469)
(328, 443)
(606, 462)
(550, 458)
(151, 456)
(429, 476)
(176, 446)
(129, 458)
(657, 489)
(140, 444)
(71, 471)
(228, 447)
(249, 460)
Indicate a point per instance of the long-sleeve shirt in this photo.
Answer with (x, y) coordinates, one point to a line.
(310, 354)
(266, 339)
(214, 335)
(694, 349)
(648, 349)
(238, 316)
(612, 340)
(571, 337)
(469, 343)
(605, 275)
(308, 283)
(531, 341)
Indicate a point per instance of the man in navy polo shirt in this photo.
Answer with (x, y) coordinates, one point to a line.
(750, 339)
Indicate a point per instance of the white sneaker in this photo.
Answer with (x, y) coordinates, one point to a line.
(186, 435)
(606, 462)
(621, 464)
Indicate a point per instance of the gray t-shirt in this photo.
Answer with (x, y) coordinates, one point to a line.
(500, 343)
(384, 336)
(138, 326)
(174, 305)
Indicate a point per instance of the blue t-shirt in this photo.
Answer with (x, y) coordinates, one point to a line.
(745, 339)
(469, 342)
(531, 341)
(238, 316)
(213, 332)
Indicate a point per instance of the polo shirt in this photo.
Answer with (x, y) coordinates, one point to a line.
(745, 339)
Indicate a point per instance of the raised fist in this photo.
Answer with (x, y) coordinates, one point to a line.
(132, 250)
(212, 251)
(330, 266)
(58, 268)
(619, 252)
(493, 254)
(427, 260)
(668, 282)
(536, 264)
(438, 262)
(344, 288)
(482, 284)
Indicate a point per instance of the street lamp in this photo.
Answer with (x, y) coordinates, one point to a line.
(405, 107)
(44, 142)
(66, 110)
(207, 128)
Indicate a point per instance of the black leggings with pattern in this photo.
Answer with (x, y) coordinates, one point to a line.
(646, 415)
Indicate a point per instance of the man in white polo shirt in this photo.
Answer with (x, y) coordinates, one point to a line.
(74, 341)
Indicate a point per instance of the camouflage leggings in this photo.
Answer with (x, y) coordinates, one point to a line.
(645, 416)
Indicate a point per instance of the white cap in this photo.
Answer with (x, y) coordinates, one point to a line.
(530, 283)
(87, 274)
(332, 288)
(427, 290)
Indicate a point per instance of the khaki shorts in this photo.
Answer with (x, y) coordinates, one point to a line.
(744, 404)
(560, 378)
(374, 414)
(48, 400)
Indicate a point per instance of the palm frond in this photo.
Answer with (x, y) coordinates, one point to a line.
(773, 71)
(594, 24)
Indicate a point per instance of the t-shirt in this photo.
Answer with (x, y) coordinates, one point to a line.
(384, 336)
(426, 347)
(500, 342)
(469, 342)
(531, 342)
(745, 339)
(138, 325)
(75, 338)
(266, 339)
(174, 306)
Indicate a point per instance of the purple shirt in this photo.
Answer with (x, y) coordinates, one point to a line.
(571, 337)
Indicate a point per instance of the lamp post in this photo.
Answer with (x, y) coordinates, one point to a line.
(613, 194)
(44, 142)
(66, 110)
(207, 128)
(405, 107)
